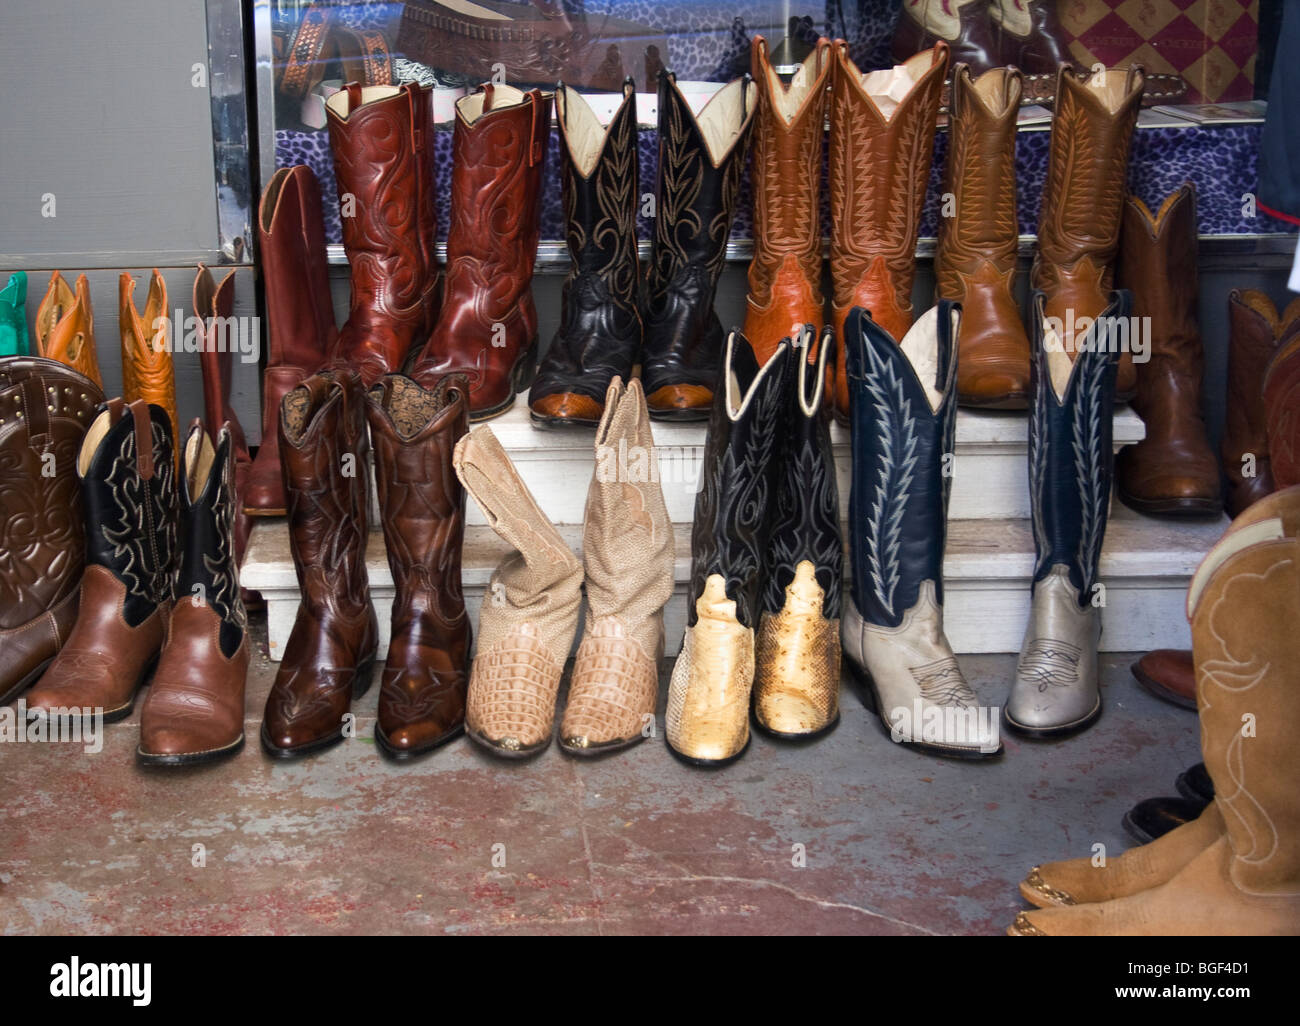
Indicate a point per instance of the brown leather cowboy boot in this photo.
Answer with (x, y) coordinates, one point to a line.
(1282, 414)
(301, 329)
(414, 430)
(488, 327)
(194, 711)
(1256, 332)
(1173, 470)
(785, 276)
(65, 327)
(42, 522)
(128, 492)
(382, 140)
(975, 263)
(1083, 201)
(1169, 675)
(965, 25)
(880, 156)
(331, 650)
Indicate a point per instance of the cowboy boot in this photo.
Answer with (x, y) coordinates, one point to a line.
(1282, 414)
(698, 179)
(1168, 674)
(966, 26)
(331, 652)
(1083, 202)
(1056, 689)
(128, 493)
(1173, 470)
(194, 711)
(214, 305)
(880, 155)
(382, 140)
(45, 409)
(529, 614)
(147, 372)
(65, 327)
(975, 263)
(1243, 603)
(1079, 881)
(1029, 35)
(785, 275)
(707, 721)
(13, 316)
(488, 327)
(797, 665)
(599, 337)
(422, 509)
(1256, 332)
(301, 328)
(627, 553)
(904, 403)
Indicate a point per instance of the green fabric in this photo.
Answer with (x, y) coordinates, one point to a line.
(13, 316)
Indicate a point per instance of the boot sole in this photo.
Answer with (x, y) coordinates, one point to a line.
(1134, 831)
(26, 682)
(1155, 688)
(391, 751)
(684, 416)
(691, 760)
(144, 758)
(527, 752)
(521, 378)
(550, 423)
(872, 701)
(604, 748)
(1046, 733)
(1172, 507)
(365, 674)
(1183, 786)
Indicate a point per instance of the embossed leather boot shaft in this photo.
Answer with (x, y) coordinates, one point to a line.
(701, 161)
(1282, 414)
(488, 327)
(707, 720)
(45, 409)
(194, 711)
(414, 431)
(148, 373)
(881, 150)
(301, 329)
(128, 495)
(65, 327)
(785, 275)
(382, 140)
(600, 333)
(975, 263)
(1056, 689)
(331, 651)
(1173, 470)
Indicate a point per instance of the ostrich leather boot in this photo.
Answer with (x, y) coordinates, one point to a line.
(881, 150)
(128, 494)
(488, 327)
(291, 242)
(194, 711)
(599, 337)
(414, 430)
(382, 140)
(627, 555)
(331, 652)
(966, 26)
(529, 614)
(45, 408)
(1173, 470)
(701, 161)
(65, 327)
(1256, 332)
(1083, 203)
(975, 263)
(1282, 414)
(1243, 603)
(785, 275)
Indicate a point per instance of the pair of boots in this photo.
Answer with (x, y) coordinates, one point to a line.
(1078, 226)
(606, 328)
(414, 424)
(159, 599)
(530, 611)
(1236, 869)
(766, 560)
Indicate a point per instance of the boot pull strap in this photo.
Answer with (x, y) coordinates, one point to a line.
(37, 413)
(539, 131)
(412, 104)
(143, 438)
(354, 96)
(489, 92)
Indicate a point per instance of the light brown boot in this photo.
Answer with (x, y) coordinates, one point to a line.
(627, 552)
(530, 611)
(65, 327)
(147, 371)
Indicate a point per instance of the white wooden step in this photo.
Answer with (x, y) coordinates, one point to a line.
(1146, 566)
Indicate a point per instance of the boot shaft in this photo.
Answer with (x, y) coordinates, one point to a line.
(65, 327)
(965, 25)
(214, 304)
(148, 372)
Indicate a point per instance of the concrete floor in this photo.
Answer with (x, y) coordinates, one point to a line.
(346, 842)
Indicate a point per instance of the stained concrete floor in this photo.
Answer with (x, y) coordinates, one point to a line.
(893, 842)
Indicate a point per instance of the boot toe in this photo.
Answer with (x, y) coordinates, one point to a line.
(995, 386)
(568, 406)
(676, 398)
